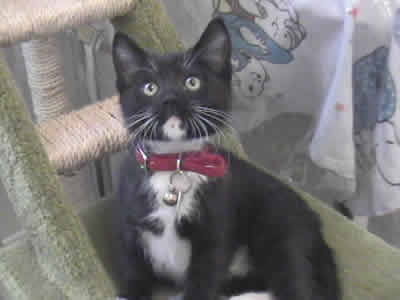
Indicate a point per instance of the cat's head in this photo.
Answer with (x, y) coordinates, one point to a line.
(179, 96)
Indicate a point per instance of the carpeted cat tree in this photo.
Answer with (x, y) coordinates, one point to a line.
(60, 255)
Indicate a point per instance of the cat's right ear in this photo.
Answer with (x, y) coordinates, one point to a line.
(127, 56)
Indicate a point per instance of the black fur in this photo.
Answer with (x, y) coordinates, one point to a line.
(245, 207)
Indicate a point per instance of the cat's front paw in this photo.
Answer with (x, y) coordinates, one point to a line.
(132, 298)
(253, 296)
(176, 297)
(180, 297)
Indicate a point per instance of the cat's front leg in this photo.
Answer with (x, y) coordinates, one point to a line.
(206, 272)
(137, 284)
(136, 273)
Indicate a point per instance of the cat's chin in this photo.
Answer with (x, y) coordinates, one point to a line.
(177, 146)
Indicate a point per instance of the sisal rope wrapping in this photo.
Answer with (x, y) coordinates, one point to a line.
(45, 72)
(22, 20)
(73, 139)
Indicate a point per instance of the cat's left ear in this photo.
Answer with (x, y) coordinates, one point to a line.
(214, 47)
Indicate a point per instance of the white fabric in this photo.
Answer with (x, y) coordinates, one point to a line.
(332, 145)
(333, 60)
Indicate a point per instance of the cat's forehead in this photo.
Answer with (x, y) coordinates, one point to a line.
(171, 58)
(173, 62)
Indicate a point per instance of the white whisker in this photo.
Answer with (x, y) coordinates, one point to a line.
(213, 125)
(138, 133)
(191, 127)
(137, 122)
(155, 124)
(214, 111)
(202, 125)
(148, 128)
(138, 115)
(197, 128)
(221, 120)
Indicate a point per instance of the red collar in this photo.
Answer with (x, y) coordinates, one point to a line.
(205, 162)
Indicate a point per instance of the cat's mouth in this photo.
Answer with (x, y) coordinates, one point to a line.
(174, 128)
(200, 123)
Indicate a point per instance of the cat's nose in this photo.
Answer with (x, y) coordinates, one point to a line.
(173, 106)
(171, 101)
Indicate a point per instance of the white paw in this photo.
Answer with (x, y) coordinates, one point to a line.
(176, 297)
(253, 296)
(120, 298)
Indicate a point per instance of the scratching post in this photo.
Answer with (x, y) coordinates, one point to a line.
(45, 73)
(23, 20)
(63, 251)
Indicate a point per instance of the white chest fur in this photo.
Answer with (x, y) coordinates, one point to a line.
(168, 252)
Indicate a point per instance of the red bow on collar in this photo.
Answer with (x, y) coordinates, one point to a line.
(204, 162)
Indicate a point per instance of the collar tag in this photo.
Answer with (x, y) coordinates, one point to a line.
(179, 184)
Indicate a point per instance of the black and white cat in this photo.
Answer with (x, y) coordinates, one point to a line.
(190, 227)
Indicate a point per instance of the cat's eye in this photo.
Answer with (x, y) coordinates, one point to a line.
(192, 83)
(150, 89)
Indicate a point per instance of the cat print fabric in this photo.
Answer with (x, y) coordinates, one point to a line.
(374, 90)
(376, 129)
(374, 97)
(263, 32)
(333, 61)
